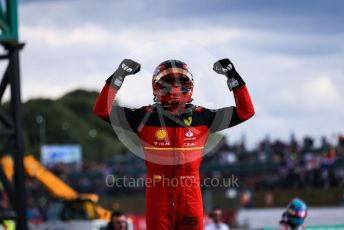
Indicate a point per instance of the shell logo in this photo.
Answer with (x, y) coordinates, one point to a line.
(160, 134)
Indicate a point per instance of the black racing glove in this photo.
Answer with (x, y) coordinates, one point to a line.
(127, 67)
(226, 67)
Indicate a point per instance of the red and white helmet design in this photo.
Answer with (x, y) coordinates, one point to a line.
(172, 83)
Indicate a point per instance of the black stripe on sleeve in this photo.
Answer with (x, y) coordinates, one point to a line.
(221, 119)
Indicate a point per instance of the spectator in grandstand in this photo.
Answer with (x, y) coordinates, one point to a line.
(216, 224)
(118, 221)
(7, 216)
(33, 213)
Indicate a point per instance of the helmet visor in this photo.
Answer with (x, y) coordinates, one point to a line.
(174, 80)
(297, 213)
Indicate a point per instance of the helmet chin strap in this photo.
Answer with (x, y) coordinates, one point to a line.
(171, 103)
(174, 108)
(176, 104)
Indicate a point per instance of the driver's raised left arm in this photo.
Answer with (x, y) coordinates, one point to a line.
(243, 110)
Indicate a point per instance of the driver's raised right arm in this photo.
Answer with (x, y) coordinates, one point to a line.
(104, 103)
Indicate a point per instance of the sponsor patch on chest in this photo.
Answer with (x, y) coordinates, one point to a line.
(189, 135)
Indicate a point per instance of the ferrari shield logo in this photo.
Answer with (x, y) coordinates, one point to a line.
(187, 121)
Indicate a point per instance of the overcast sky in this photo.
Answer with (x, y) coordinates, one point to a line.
(290, 53)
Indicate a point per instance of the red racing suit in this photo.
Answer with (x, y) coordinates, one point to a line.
(173, 146)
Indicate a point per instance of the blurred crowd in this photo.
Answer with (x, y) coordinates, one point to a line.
(272, 164)
(281, 164)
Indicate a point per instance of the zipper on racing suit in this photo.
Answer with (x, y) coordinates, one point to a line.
(172, 201)
(176, 162)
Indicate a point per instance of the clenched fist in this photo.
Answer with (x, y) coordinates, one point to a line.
(127, 67)
(226, 67)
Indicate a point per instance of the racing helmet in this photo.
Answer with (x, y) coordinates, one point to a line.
(296, 212)
(172, 83)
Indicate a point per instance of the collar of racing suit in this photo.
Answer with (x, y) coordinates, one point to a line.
(175, 110)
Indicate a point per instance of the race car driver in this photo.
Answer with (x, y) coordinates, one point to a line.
(173, 133)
